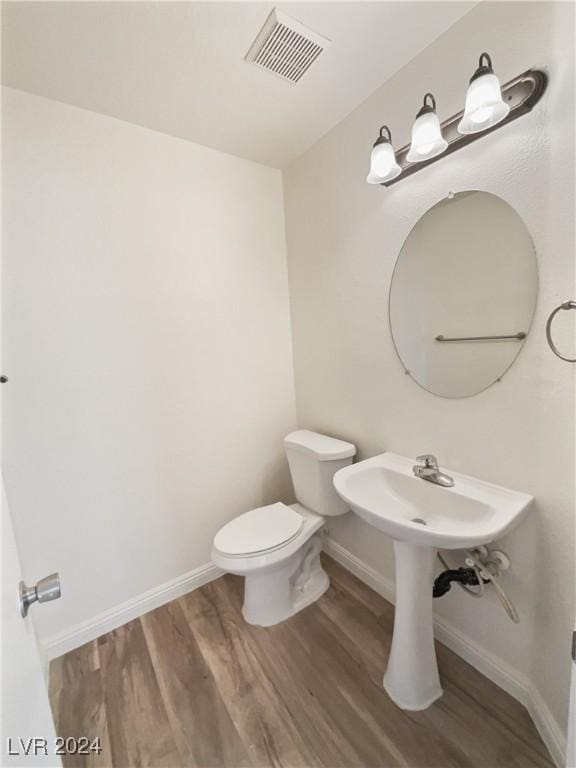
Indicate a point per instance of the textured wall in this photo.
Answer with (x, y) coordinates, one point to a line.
(343, 240)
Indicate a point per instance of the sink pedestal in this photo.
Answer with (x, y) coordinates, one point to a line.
(411, 679)
(422, 518)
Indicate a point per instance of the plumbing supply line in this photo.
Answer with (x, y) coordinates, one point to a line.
(487, 573)
(490, 571)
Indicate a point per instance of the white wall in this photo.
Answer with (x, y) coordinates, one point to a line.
(147, 342)
(343, 240)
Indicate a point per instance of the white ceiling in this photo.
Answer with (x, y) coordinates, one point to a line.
(178, 67)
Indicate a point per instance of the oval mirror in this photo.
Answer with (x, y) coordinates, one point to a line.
(463, 294)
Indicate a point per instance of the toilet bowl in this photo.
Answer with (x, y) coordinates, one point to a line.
(277, 547)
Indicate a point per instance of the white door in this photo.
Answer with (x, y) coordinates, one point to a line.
(28, 736)
(571, 756)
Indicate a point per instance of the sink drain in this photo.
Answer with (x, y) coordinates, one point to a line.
(418, 520)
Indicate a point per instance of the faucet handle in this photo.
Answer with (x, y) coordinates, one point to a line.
(429, 460)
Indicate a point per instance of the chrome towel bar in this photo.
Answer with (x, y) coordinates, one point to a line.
(512, 336)
(564, 305)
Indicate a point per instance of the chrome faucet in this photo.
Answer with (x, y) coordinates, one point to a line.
(430, 471)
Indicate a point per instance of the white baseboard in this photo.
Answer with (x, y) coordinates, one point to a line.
(57, 645)
(547, 727)
(506, 677)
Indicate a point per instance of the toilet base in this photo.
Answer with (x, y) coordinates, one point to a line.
(274, 596)
(315, 588)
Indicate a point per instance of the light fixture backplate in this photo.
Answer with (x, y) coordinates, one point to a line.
(521, 94)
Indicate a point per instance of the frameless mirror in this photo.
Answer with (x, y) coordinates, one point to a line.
(463, 294)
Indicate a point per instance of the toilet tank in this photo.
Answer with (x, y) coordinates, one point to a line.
(313, 460)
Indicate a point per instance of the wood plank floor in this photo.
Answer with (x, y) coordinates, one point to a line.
(191, 684)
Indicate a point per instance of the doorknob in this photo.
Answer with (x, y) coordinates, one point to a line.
(47, 589)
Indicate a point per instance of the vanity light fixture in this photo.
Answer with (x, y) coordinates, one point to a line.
(488, 107)
(383, 165)
(484, 104)
(427, 139)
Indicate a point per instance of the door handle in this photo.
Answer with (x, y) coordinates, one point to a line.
(46, 590)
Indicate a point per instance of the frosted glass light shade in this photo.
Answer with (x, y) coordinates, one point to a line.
(427, 139)
(484, 105)
(383, 165)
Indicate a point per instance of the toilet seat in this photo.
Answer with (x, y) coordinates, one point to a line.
(260, 530)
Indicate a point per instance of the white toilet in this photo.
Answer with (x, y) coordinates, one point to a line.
(277, 547)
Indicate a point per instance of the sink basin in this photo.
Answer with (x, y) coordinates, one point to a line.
(384, 492)
(421, 518)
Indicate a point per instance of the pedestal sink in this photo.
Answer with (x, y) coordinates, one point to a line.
(422, 517)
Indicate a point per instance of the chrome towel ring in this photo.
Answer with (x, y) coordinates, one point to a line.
(564, 305)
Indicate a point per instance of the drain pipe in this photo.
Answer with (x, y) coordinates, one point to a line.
(466, 587)
(466, 576)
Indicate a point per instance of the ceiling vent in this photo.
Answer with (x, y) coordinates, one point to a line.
(286, 48)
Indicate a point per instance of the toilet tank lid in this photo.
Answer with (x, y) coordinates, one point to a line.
(324, 448)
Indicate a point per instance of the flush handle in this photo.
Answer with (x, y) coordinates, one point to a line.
(46, 590)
